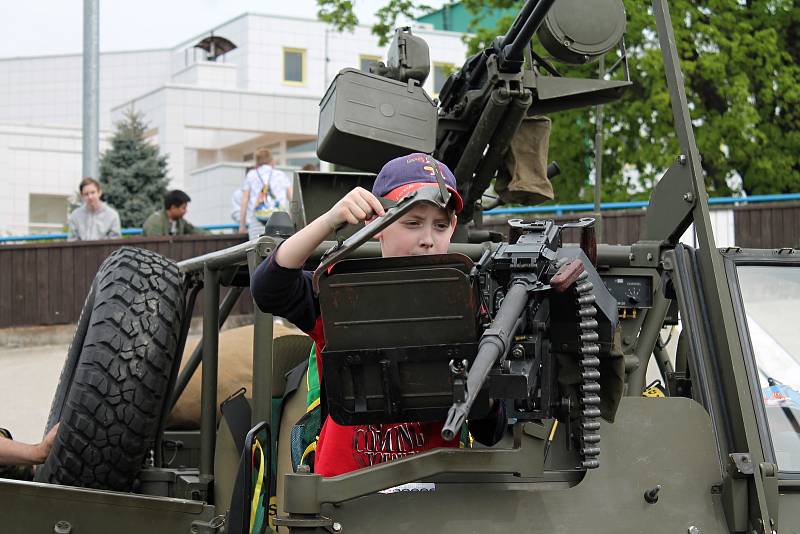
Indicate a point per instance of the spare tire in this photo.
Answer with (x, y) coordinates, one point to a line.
(113, 388)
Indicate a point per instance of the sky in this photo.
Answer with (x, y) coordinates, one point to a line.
(46, 27)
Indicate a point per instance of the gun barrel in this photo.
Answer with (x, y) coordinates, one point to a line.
(495, 342)
(519, 21)
(513, 50)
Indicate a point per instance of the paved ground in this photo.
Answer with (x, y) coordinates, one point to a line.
(28, 379)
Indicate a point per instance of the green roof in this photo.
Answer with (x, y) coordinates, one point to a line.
(455, 17)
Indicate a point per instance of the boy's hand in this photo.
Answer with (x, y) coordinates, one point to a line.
(356, 206)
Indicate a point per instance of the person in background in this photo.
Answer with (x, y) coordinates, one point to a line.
(94, 219)
(265, 190)
(170, 220)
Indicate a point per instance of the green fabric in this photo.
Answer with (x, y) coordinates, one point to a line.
(158, 224)
(313, 377)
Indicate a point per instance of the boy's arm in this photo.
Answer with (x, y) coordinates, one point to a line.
(280, 286)
(357, 206)
(285, 292)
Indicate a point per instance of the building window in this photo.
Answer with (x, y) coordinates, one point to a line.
(365, 62)
(294, 66)
(47, 213)
(440, 73)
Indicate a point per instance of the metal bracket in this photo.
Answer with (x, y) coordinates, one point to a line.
(743, 463)
(304, 521)
(645, 254)
(210, 527)
(671, 204)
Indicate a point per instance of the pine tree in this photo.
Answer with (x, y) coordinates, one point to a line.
(132, 172)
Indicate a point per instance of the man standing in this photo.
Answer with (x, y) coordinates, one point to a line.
(170, 221)
(94, 219)
(265, 190)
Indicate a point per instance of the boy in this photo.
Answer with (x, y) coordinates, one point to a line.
(281, 287)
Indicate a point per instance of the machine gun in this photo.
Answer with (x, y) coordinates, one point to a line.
(519, 280)
(438, 336)
(482, 105)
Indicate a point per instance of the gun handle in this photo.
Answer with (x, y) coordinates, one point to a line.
(589, 243)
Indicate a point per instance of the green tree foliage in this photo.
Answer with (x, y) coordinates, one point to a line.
(340, 14)
(740, 60)
(132, 172)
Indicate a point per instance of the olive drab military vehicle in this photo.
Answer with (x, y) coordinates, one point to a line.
(561, 332)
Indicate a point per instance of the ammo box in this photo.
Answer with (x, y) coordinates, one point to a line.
(365, 120)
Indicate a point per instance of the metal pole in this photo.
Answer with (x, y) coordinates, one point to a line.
(208, 393)
(651, 328)
(193, 362)
(598, 160)
(262, 355)
(91, 87)
(262, 367)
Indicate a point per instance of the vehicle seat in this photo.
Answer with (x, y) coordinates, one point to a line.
(288, 352)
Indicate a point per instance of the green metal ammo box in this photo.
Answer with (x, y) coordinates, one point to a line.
(366, 120)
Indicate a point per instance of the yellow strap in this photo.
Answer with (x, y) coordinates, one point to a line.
(311, 448)
(257, 491)
(312, 405)
(553, 431)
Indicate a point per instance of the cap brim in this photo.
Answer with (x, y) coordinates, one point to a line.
(404, 190)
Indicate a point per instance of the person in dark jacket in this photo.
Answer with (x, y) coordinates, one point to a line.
(170, 220)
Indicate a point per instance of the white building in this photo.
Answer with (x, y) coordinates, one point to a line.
(209, 117)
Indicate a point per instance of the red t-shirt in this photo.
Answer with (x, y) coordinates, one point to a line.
(341, 449)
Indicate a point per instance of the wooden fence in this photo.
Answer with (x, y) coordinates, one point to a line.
(46, 284)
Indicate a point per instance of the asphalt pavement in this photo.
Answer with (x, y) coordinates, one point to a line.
(28, 380)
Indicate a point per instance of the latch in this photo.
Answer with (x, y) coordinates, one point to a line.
(208, 527)
(303, 521)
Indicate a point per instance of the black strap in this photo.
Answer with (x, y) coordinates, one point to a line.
(236, 411)
(293, 378)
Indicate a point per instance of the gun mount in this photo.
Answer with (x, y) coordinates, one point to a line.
(487, 329)
(483, 105)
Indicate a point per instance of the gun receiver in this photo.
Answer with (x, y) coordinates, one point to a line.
(494, 346)
(524, 264)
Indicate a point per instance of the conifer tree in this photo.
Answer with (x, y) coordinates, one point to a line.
(132, 172)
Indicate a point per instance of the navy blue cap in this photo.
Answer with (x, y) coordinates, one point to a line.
(400, 176)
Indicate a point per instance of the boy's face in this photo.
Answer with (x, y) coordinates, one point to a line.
(426, 229)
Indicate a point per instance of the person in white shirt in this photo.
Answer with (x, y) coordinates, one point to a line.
(265, 190)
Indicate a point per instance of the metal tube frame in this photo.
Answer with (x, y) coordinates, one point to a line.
(651, 328)
(208, 393)
(230, 300)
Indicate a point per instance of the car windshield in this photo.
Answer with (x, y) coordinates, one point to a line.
(771, 296)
